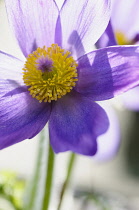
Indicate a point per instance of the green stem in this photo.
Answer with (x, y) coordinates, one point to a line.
(49, 178)
(39, 192)
(37, 174)
(65, 184)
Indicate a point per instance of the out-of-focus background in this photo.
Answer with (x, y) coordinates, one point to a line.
(115, 180)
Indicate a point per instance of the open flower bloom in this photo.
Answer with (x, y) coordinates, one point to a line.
(121, 27)
(123, 30)
(60, 77)
(125, 22)
(127, 32)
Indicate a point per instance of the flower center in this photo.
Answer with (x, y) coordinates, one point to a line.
(50, 73)
(121, 38)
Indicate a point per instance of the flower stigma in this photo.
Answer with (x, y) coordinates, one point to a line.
(50, 73)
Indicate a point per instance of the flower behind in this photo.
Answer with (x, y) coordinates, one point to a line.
(123, 31)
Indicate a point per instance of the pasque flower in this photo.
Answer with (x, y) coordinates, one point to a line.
(123, 30)
(60, 77)
(126, 31)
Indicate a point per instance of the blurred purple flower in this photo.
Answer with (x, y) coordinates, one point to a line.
(126, 31)
(75, 120)
(125, 22)
(122, 28)
(109, 142)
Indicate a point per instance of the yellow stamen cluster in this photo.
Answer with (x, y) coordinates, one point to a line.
(121, 38)
(54, 82)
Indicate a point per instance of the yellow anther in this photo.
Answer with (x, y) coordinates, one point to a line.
(50, 73)
(121, 38)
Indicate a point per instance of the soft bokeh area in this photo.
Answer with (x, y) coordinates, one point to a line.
(99, 184)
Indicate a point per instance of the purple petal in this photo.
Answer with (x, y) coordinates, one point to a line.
(11, 68)
(75, 123)
(33, 22)
(58, 32)
(21, 116)
(109, 142)
(83, 22)
(108, 72)
(130, 99)
(107, 39)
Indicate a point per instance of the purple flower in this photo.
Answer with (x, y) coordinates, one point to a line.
(109, 142)
(125, 28)
(52, 84)
(121, 27)
(126, 31)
